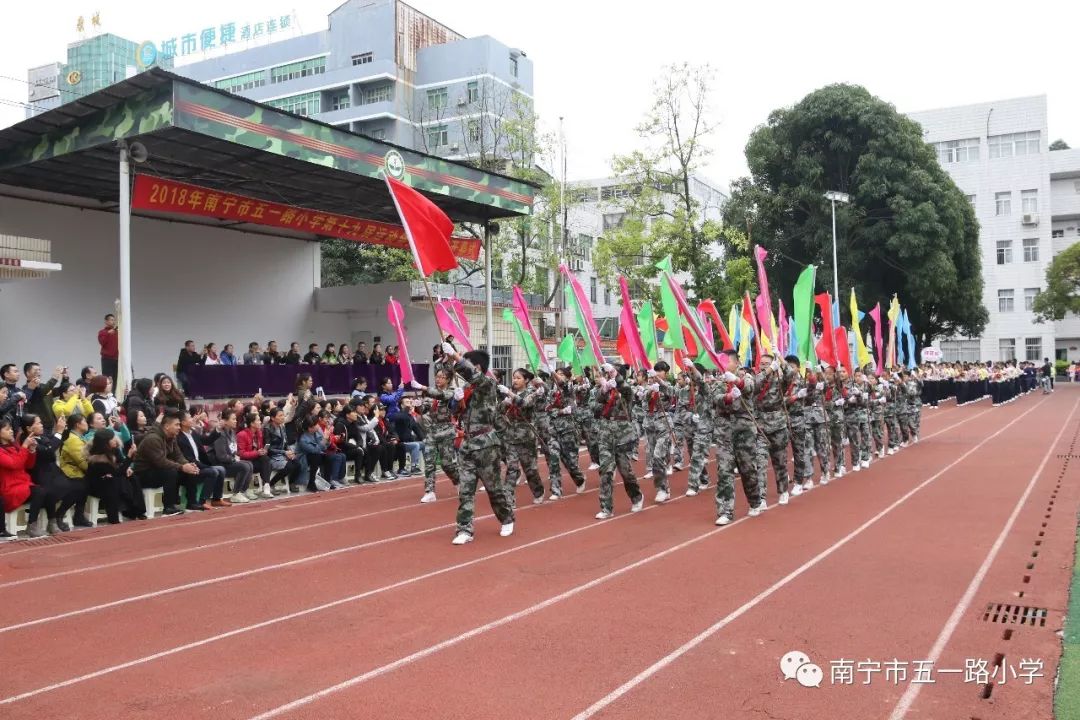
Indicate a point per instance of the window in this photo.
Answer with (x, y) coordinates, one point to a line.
(437, 136)
(304, 68)
(437, 99)
(1031, 249)
(1004, 252)
(592, 289)
(306, 104)
(378, 134)
(240, 83)
(1007, 349)
(1005, 300)
(513, 66)
(971, 200)
(339, 100)
(502, 357)
(379, 93)
(363, 58)
(474, 131)
(1057, 233)
(1003, 203)
(613, 220)
(585, 248)
(960, 351)
(955, 151)
(1029, 201)
(474, 91)
(607, 295)
(1029, 298)
(1025, 143)
(1032, 348)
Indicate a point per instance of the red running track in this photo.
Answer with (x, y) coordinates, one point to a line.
(355, 604)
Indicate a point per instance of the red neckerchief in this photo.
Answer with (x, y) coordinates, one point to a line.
(382, 424)
(434, 406)
(764, 389)
(467, 393)
(652, 401)
(556, 400)
(691, 394)
(613, 395)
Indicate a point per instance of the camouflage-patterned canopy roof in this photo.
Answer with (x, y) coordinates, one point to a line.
(208, 137)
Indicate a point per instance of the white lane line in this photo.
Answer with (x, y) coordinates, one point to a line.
(962, 606)
(318, 608)
(506, 620)
(760, 597)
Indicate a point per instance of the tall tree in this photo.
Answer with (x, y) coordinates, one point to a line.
(1062, 292)
(908, 229)
(1059, 144)
(664, 215)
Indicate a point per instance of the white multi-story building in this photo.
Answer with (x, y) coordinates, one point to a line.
(1027, 202)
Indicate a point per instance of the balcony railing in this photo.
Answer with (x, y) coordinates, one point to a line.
(472, 295)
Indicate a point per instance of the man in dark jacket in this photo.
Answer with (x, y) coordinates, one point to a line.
(352, 441)
(193, 444)
(12, 405)
(189, 357)
(40, 396)
(410, 435)
(160, 464)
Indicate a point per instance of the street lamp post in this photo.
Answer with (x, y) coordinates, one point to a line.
(835, 196)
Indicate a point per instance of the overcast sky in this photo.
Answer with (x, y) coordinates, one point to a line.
(595, 59)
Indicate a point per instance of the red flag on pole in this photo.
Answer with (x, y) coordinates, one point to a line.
(843, 350)
(427, 227)
(826, 347)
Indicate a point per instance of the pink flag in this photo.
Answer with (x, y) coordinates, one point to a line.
(785, 332)
(521, 311)
(628, 323)
(876, 315)
(591, 333)
(396, 316)
(764, 302)
(452, 321)
(720, 361)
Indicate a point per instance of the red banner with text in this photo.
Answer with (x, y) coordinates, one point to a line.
(161, 195)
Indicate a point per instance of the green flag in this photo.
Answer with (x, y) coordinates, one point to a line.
(673, 338)
(533, 352)
(803, 295)
(568, 354)
(589, 357)
(646, 323)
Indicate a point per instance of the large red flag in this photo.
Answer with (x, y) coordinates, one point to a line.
(843, 349)
(427, 227)
(709, 307)
(826, 349)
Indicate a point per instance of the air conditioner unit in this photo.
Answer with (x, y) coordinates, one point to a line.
(1030, 219)
(462, 102)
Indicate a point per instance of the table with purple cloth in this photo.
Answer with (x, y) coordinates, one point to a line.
(225, 381)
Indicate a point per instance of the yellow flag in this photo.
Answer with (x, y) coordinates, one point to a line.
(860, 346)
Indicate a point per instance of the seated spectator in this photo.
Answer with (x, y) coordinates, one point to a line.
(41, 396)
(272, 356)
(330, 356)
(254, 356)
(376, 357)
(87, 374)
(410, 435)
(283, 461)
(210, 355)
(333, 467)
(137, 426)
(389, 397)
(72, 401)
(101, 397)
(192, 443)
(159, 463)
(293, 356)
(313, 357)
(344, 354)
(140, 399)
(359, 387)
(96, 421)
(390, 449)
(228, 356)
(225, 454)
(108, 477)
(72, 462)
(189, 357)
(168, 396)
(391, 355)
(253, 448)
(311, 446)
(351, 440)
(55, 486)
(16, 461)
(360, 357)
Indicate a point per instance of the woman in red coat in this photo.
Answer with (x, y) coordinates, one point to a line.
(251, 446)
(16, 460)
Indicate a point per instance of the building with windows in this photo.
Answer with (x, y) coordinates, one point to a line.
(388, 71)
(1027, 201)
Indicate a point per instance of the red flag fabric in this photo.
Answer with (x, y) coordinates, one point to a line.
(748, 315)
(843, 349)
(396, 317)
(709, 307)
(876, 315)
(825, 349)
(622, 344)
(427, 227)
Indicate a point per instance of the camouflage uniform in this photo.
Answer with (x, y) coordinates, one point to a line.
(910, 407)
(566, 434)
(835, 391)
(657, 404)
(771, 387)
(519, 439)
(892, 415)
(801, 442)
(857, 422)
(549, 446)
(480, 450)
(700, 428)
(817, 429)
(683, 418)
(617, 439)
(439, 434)
(586, 421)
(734, 433)
(877, 417)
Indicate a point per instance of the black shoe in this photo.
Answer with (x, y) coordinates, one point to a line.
(294, 489)
(313, 488)
(81, 521)
(196, 508)
(140, 517)
(5, 536)
(64, 527)
(172, 510)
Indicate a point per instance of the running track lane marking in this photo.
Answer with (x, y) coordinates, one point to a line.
(709, 632)
(912, 692)
(319, 608)
(290, 563)
(506, 620)
(361, 596)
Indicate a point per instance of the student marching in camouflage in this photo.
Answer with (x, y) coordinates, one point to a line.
(657, 399)
(562, 408)
(519, 438)
(439, 432)
(735, 433)
(611, 403)
(771, 387)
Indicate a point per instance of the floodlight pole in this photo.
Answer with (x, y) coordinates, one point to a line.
(125, 365)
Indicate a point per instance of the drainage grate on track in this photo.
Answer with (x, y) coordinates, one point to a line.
(1015, 615)
(1070, 457)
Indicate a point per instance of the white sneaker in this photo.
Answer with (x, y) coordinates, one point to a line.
(554, 496)
(647, 475)
(604, 515)
(825, 479)
(251, 494)
(580, 488)
(784, 497)
(915, 440)
(865, 464)
(538, 500)
(506, 530)
(266, 491)
(662, 496)
(723, 520)
(754, 512)
(637, 506)
(461, 538)
(881, 453)
(892, 451)
(480, 487)
(670, 471)
(762, 506)
(904, 444)
(239, 499)
(797, 490)
(679, 466)
(807, 486)
(856, 466)
(594, 466)
(691, 492)
(839, 472)
(429, 497)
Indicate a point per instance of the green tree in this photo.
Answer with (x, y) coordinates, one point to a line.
(1059, 144)
(1062, 292)
(908, 229)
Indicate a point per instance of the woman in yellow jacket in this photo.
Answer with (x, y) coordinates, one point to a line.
(72, 402)
(73, 464)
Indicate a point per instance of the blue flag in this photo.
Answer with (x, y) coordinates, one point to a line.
(910, 341)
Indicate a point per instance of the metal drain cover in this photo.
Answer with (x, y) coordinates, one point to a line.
(1015, 615)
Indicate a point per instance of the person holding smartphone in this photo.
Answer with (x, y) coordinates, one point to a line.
(253, 448)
